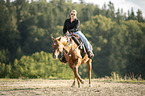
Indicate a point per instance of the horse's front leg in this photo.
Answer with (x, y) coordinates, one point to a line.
(74, 81)
(79, 85)
(71, 66)
(77, 75)
(77, 64)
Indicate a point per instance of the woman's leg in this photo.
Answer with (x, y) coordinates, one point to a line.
(86, 42)
(84, 39)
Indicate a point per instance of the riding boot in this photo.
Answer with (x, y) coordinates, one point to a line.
(76, 41)
(90, 54)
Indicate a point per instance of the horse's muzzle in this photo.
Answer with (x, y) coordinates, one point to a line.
(55, 56)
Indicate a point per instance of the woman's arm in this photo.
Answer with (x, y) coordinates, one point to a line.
(64, 28)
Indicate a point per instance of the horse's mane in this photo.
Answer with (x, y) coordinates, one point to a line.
(64, 38)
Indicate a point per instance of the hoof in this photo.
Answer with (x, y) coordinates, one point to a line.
(90, 85)
(82, 81)
(72, 86)
(79, 86)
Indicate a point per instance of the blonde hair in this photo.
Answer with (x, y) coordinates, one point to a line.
(74, 11)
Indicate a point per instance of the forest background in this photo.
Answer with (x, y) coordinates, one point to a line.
(26, 27)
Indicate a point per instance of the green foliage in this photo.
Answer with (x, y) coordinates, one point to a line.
(2, 69)
(98, 32)
(41, 65)
(4, 56)
(5, 70)
(128, 78)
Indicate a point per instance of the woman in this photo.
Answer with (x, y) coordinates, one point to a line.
(71, 25)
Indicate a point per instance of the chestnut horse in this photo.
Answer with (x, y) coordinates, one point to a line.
(73, 56)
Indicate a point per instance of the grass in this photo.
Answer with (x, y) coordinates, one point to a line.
(128, 78)
(120, 81)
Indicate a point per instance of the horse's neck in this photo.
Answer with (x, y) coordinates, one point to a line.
(70, 46)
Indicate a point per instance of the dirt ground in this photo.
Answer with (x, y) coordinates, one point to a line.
(44, 87)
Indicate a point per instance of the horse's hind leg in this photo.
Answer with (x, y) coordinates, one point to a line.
(89, 67)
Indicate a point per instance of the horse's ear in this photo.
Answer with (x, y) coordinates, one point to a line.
(52, 37)
(59, 39)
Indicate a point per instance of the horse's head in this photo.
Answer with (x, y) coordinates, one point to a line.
(58, 45)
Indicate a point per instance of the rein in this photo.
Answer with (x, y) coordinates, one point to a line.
(77, 47)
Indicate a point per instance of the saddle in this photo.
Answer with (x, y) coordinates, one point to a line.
(79, 43)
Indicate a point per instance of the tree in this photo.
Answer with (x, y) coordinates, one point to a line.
(110, 11)
(2, 2)
(117, 59)
(86, 12)
(8, 2)
(97, 30)
(120, 16)
(104, 10)
(134, 48)
(139, 16)
(131, 16)
(9, 35)
(97, 11)
(82, 1)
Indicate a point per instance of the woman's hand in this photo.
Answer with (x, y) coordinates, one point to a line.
(67, 33)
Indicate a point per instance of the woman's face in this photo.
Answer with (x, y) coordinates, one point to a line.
(73, 15)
